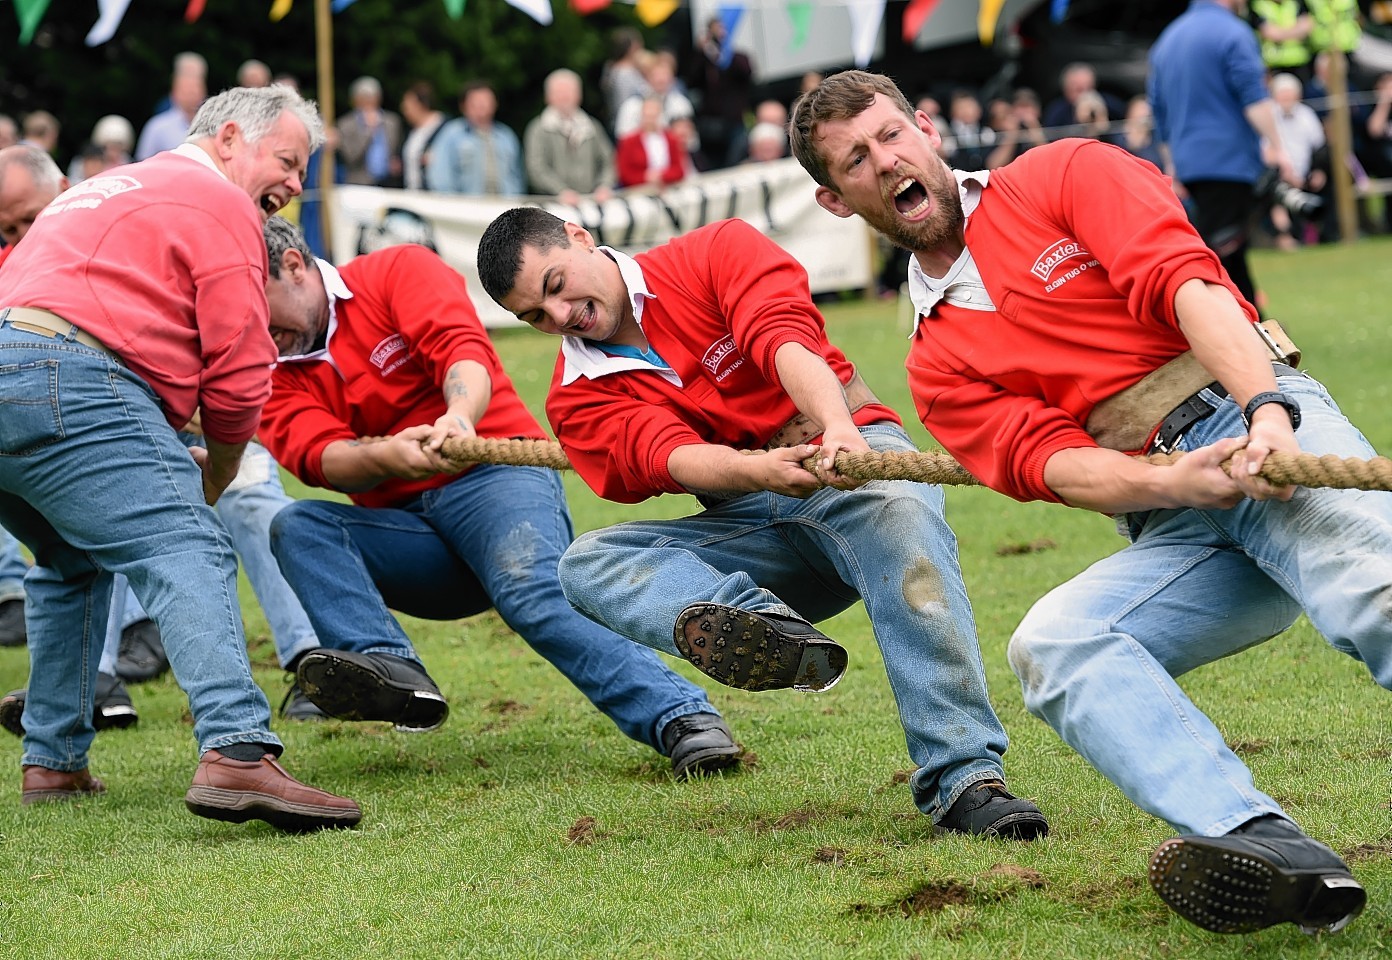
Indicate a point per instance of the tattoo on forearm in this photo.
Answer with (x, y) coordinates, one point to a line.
(455, 387)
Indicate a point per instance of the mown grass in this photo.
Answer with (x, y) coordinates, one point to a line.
(528, 827)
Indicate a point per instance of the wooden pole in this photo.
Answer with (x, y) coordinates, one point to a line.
(1341, 145)
(323, 56)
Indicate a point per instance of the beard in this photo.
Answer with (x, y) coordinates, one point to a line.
(941, 227)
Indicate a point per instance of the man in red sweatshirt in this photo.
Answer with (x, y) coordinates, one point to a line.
(674, 363)
(1069, 314)
(136, 298)
(390, 347)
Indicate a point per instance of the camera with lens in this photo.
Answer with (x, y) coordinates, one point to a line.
(1270, 188)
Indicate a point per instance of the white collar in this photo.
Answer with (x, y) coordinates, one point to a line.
(336, 290)
(926, 291)
(194, 152)
(584, 359)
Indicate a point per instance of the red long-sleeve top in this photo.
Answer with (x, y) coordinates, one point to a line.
(1081, 247)
(164, 263)
(724, 299)
(408, 321)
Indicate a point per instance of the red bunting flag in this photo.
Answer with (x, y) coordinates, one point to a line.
(915, 16)
(587, 7)
(194, 10)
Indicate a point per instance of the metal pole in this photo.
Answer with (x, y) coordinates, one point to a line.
(323, 56)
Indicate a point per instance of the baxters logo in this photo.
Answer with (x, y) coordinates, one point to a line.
(722, 358)
(390, 354)
(1055, 254)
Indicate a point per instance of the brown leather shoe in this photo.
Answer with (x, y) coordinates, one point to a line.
(42, 785)
(240, 790)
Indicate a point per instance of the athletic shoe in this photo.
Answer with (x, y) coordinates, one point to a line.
(111, 710)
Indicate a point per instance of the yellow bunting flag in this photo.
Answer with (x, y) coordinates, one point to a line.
(653, 12)
(986, 19)
(279, 9)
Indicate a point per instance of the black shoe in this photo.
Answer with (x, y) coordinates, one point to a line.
(699, 743)
(111, 708)
(758, 651)
(297, 706)
(12, 629)
(1263, 873)
(142, 654)
(372, 686)
(987, 809)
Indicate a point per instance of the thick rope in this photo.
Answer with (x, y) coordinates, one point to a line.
(1302, 469)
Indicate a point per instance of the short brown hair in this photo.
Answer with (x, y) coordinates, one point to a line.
(838, 97)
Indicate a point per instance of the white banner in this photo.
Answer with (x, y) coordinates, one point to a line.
(775, 197)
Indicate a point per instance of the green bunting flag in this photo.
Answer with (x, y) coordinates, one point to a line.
(30, 12)
(800, 13)
(455, 8)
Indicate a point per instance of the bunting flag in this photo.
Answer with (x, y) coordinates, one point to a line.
(105, 28)
(654, 12)
(194, 10)
(455, 8)
(730, 15)
(538, 10)
(30, 12)
(986, 19)
(339, 6)
(866, 17)
(1058, 9)
(915, 16)
(279, 8)
(800, 13)
(587, 7)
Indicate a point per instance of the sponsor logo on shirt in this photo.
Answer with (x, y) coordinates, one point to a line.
(90, 194)
(1056, 253)
(390, 354)
(722, 358)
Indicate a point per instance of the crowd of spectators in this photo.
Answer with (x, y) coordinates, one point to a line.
(665, 114)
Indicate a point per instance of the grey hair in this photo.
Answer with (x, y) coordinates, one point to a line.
(282, 235)
(190, 61)
(368, 85)
(556, 76)
(255, 111)
(46, 173)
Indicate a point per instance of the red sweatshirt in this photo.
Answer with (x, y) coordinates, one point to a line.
(725, 298)
(163, 262)
(408, 321)
(1081, 247)
(631, 159)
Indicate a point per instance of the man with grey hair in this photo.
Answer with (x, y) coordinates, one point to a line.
(136, 299)
(369, 138)
(566, 150)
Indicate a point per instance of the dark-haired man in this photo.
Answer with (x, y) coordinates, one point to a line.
(673, 365)
(1068, 313)
(390, 348)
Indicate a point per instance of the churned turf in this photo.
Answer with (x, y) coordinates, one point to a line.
(529, 827)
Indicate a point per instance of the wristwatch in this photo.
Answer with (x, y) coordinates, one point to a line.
(1271, 396)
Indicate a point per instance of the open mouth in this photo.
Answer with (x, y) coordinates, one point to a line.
(911, 198)
(270, 203)
(585, 318)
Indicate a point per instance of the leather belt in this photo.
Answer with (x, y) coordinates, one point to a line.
(46, 323)
(1195, 408)
(803, 428)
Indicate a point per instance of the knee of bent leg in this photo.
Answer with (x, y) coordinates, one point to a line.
(290, 524)
(1022, 653)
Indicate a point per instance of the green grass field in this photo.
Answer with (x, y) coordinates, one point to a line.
(529, 827)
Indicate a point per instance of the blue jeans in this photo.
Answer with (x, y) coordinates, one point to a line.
(12, 568)
(885, 543)
(246, 508)
(491, 538)
(95, 482)
(1097, 656)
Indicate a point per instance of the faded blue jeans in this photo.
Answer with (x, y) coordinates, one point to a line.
(491, 538)
(246, 508)
(95, 482)
(885, 543)
(12, 568)
(1097, 656)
